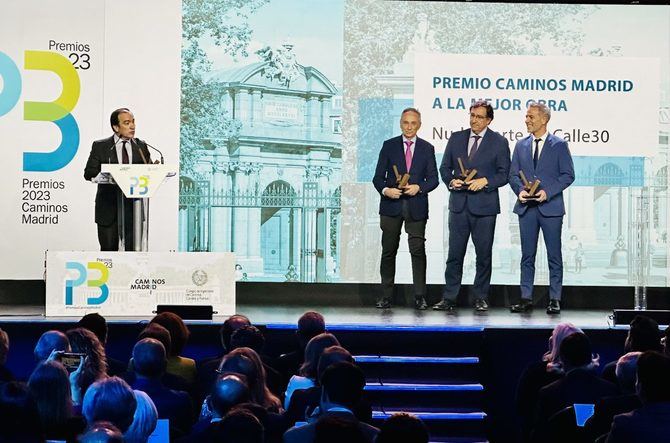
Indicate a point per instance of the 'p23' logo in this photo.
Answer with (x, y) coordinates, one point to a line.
(82, 278)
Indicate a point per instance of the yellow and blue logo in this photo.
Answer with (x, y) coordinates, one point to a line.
(57, 112)
(139, 185)
(83, 271)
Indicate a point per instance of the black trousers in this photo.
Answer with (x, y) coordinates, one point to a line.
(108, 235)
(416, 238)
(463, 225)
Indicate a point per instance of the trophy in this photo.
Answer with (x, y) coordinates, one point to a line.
(400, 180)
(466, 175)
(529, 187)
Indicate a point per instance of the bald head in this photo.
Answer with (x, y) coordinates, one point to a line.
(49, 341)
(149, 358)
(228, 391)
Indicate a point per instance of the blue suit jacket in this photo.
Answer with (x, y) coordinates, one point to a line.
(491, 161)
(554, 169)
(423, 173)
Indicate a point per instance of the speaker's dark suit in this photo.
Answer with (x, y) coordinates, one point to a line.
(473, 213)
(412, 210)
(556, 172)
(106, 199)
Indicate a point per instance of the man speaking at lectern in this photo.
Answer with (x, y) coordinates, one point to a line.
(121, 148)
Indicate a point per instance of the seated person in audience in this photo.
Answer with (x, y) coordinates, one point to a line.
(651, 422)
(274, 424)
(643, 335)
(538, 375)
(48, 342)
(308, 370)
(94, 366)
(102, 432)
(305, 401)
(332, 429)
(310, 324)
(149, 361)
(607, 407)
(144, 419)
(665, 341)
(97, 324)
(19, 418)
(228, 391)
(208, 366)
(179, 334)
(260, 393)
(251, 337)
(112, 400)
(5, 374)
(239, 426)
(402, 428)
(580, 384)
(342, 386)
(49, 386)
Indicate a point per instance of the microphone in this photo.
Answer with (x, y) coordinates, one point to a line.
(152, 147)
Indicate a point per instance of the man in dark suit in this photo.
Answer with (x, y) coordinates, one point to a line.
(121, 147)
(473, 205)
(651, 422)
(408, 205)
(342, 386)
(546, 157)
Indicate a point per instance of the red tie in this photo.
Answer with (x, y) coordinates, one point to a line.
(408, 154)
(124, 154)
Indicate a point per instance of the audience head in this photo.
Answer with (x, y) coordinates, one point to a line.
(4, 346)
(95, 323)
(95, 364)
(149, 359)
(179, 333)
(561, 331)
(643, 335)
(626, 372)
(666, 345)
(313, 352)
(653, 377)
(229, 390)
(110, 400)
(49, 385)
(575, 352)
(310, 324)
(402, 428)
(102, 432)
(144, 419)
(239, 426)
(256, 378)
(331, 355)
(342, 384)
(248, 336)
(230, 325)
(336, 429)
(156, 331)
(19, 418)
(50, 341)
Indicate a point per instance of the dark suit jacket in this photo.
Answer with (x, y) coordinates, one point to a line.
(578, 386)
(304, 402)
(173, 405)
(554, 169)
(103, 152)
(650, 423)
(423, 173)
(491, 161)
(306, 433)
(606, 409)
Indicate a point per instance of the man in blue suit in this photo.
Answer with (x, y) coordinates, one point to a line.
(473, 205)
(407, 204)
(546, 157)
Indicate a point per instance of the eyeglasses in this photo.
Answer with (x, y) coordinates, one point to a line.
(478, 117)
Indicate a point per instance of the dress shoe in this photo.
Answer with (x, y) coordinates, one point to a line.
(525, 305)
(445, 305)
(481, 305)
(554, 307)
(383, 303)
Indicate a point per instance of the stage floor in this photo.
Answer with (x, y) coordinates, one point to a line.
(338, 317)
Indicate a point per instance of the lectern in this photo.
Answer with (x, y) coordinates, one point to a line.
(138, 182)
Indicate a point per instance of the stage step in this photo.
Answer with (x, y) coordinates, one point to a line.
(392, 368)
(443, 424)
